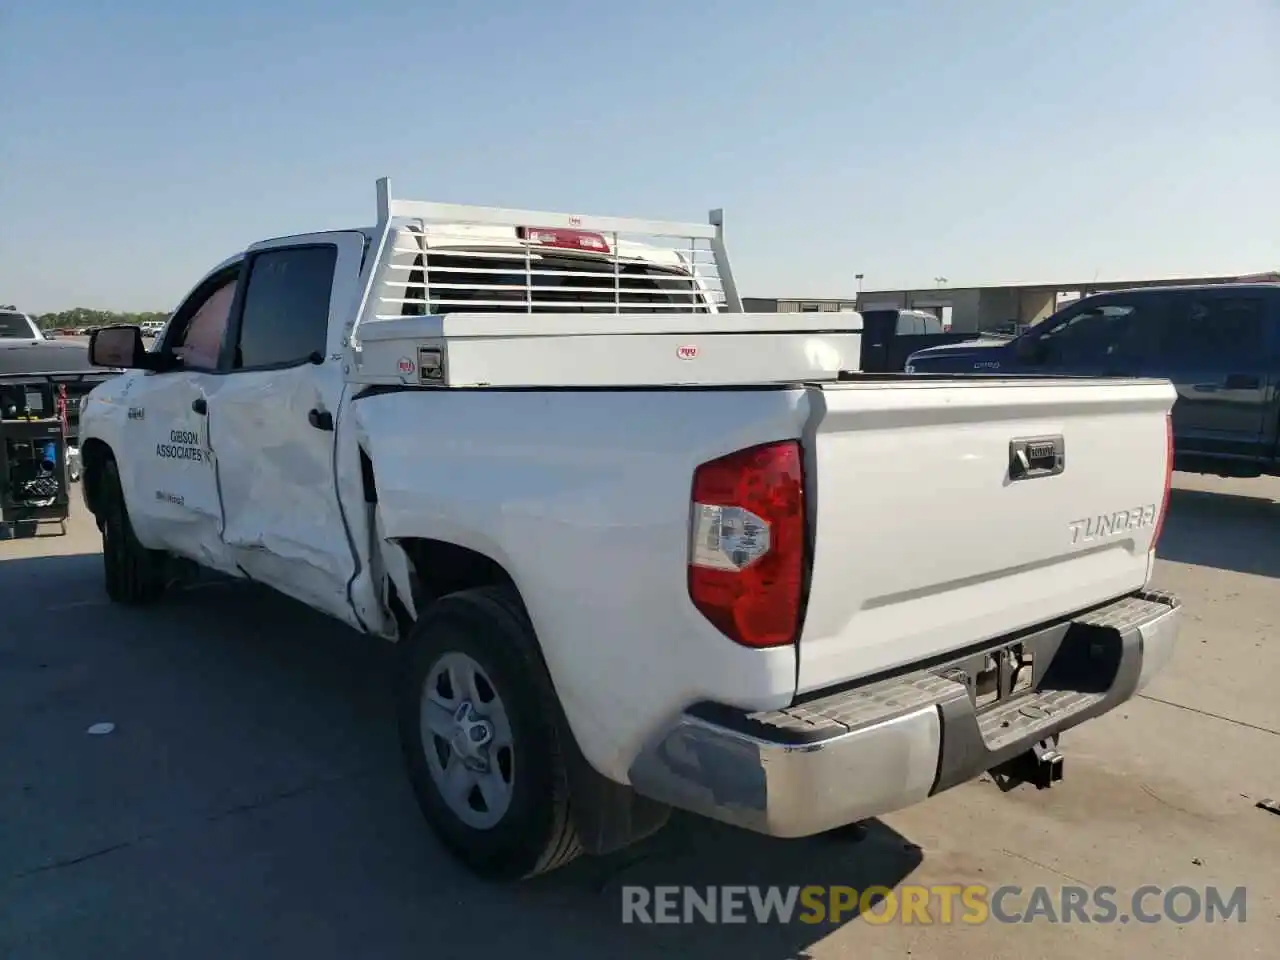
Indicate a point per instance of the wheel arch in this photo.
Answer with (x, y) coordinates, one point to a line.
(94, 456)
(608, 816)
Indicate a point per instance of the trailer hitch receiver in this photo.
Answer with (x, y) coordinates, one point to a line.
(1042, 765)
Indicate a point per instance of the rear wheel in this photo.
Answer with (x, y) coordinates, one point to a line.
(134, 575)
(477, 719)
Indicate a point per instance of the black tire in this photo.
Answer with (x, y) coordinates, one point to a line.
(134, 575)
(536, 831)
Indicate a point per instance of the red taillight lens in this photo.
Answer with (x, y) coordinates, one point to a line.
(1168, 478)
(747, 543)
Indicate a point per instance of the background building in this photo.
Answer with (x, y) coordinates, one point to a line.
(981, 308)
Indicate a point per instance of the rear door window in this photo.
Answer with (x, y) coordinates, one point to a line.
(285, 319)
(15, 325)
(1212, 331)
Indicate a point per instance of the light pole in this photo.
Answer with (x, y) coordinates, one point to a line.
(858, 277)
(939, 280)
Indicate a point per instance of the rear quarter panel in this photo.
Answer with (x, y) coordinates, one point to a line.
(583, 497)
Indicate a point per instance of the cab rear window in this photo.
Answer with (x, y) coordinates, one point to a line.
(466, 281)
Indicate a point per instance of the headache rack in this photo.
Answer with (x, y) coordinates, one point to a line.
(438, 258)
(463, 296)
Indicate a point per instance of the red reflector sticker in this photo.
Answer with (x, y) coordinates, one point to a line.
(406, 365)
(687, 352)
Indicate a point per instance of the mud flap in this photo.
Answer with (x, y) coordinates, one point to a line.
(607, 815)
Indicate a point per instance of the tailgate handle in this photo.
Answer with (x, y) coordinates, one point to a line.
(1033, 457)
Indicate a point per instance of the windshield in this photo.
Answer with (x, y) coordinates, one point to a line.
(15, 325)
(1092, 333)
(1094, 320)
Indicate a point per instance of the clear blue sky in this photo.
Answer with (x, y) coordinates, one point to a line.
(142, 141)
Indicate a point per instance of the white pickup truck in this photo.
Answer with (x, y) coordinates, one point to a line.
(640, 550)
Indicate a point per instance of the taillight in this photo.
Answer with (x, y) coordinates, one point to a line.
(747, 544)
(1168, 478)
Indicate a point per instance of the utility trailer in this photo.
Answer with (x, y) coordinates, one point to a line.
(39, 455)
(73, 387)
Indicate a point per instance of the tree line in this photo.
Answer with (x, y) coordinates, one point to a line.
(86, 317)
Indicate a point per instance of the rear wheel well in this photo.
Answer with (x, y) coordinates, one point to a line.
(94, 455)
(438, 567)
(608, 816)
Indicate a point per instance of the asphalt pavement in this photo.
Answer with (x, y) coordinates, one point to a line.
(246, 798)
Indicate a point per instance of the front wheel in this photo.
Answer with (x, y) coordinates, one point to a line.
(134, 575)
(476, 715)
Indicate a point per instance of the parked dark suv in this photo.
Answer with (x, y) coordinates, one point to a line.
(1219, 344)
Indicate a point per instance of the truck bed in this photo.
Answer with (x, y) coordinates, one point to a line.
(921, 545)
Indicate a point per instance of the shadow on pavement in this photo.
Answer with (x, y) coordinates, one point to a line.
(250, 802)
(31, 530)
(1223, 530)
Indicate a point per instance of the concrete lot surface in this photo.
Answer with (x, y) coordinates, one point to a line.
(249, 801)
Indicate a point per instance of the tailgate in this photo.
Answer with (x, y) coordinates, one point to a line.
(930, 535)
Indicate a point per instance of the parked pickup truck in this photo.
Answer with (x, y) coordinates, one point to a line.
(1218, 343)
(639, 550)
(890, 335)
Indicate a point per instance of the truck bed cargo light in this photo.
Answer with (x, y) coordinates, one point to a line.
(564, 239)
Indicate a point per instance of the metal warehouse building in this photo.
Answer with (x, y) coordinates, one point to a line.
(985, 307)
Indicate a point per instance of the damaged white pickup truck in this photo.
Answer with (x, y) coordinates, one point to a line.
(640, 550)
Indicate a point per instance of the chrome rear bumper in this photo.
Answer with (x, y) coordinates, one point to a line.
(868, 750)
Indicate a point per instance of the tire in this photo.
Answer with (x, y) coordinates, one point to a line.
(134, 575)
(508, 816)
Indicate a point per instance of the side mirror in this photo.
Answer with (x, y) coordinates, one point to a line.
(119, 347)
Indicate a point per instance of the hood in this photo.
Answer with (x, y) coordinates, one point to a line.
(961, 349)
(44, 356)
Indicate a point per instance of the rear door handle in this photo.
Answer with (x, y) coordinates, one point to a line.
(320, 419)
(200, 406)
(1233, 381)
(1242, 381)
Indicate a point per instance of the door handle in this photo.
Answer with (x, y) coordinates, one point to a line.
(320, 419)
(200, 406)
(1242, 381)
(1233, 381)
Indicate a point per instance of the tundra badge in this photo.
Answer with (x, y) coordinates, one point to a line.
(1112, 524)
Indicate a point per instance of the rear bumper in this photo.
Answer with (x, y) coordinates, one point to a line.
(872, 749)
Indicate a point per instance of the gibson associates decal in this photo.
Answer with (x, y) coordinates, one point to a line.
(182, 445)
